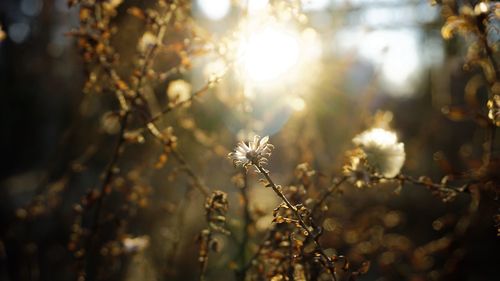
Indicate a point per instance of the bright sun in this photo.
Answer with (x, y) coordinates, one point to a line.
(269, 53)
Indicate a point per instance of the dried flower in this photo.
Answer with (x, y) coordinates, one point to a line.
(384, 154)
(357, 170)
(255, 152)
(178, 91)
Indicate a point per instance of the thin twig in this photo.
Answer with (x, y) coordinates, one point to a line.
(327, 194)
(198, 183)
(155, 132)
(179, 104)
(434, 186)
(171, 107)
(103, 191)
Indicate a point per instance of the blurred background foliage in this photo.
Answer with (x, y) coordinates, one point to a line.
(361, 62)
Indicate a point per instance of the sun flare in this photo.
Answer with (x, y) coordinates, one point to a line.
(268, 53)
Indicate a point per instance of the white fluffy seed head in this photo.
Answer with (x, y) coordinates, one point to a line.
(383, 151)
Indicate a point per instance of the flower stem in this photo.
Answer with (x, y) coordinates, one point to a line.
(247, 220)
(328, 262)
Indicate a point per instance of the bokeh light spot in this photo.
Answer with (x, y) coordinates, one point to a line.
(214, 9)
